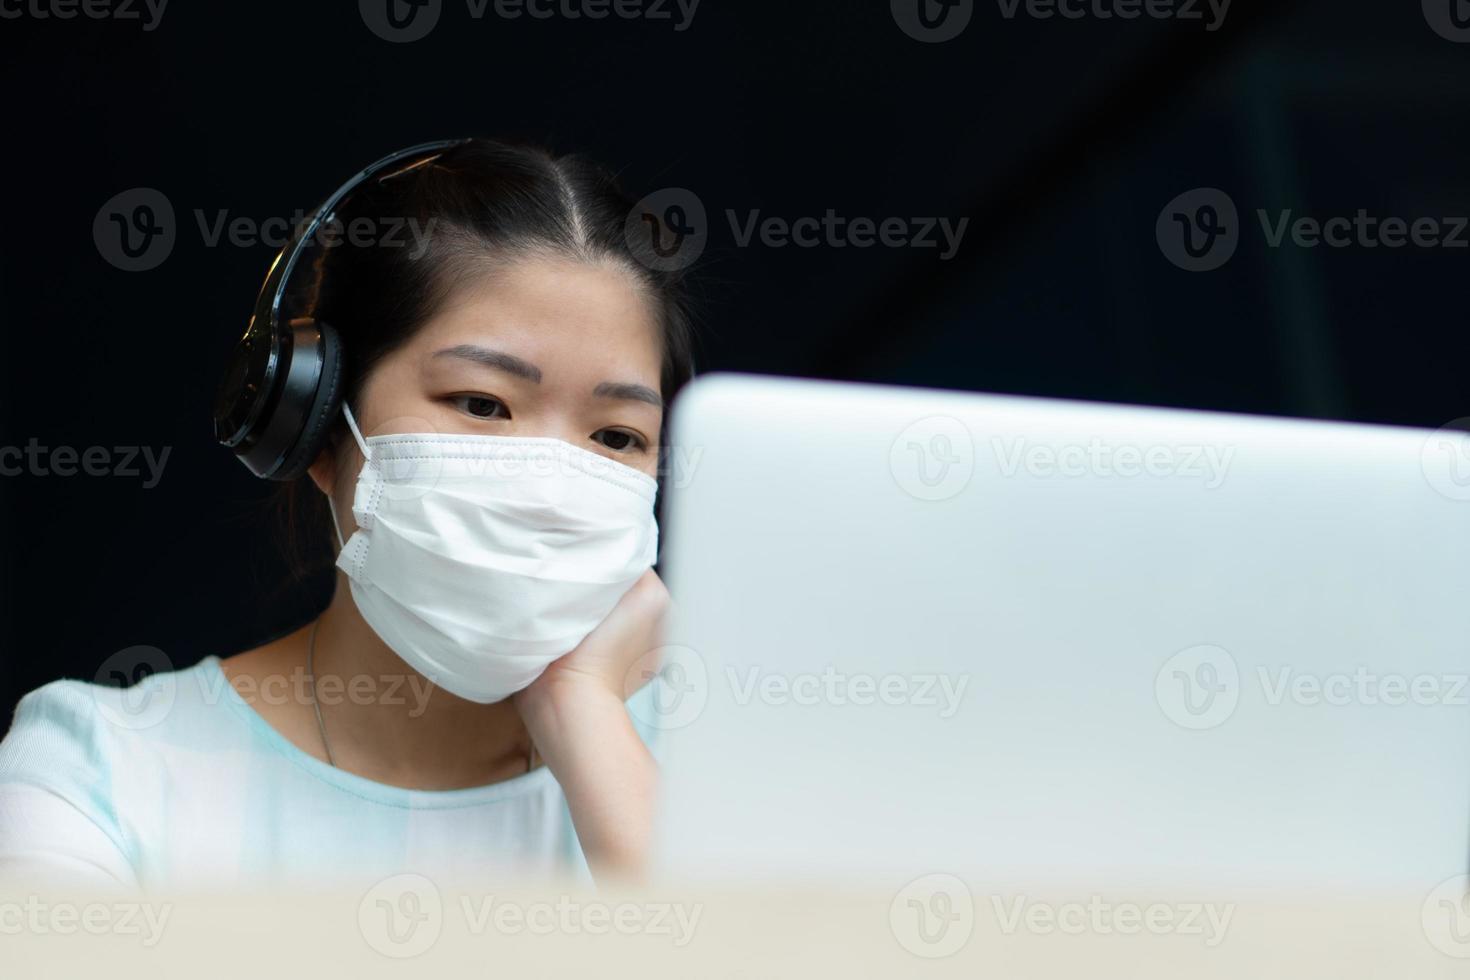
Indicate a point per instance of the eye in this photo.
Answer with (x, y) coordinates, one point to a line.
(482, 406)
(620, 440)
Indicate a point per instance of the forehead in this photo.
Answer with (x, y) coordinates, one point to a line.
(570, 318)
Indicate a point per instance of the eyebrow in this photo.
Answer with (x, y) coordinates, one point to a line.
(632, 392)
(495, 359)
(521, 368)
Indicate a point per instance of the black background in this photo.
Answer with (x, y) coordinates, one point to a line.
(1062, 140)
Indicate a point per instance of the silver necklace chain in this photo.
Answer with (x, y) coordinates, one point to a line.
(317, 705)
(321, 726)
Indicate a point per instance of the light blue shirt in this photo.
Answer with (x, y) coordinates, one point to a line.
(179, 781)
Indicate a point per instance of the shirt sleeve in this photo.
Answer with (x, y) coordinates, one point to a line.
(57, 820)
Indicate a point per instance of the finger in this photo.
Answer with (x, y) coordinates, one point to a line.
(635, 631)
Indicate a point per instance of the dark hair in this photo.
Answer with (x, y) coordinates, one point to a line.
(481, 199)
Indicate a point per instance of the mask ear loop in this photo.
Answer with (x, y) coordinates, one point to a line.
(367, 454)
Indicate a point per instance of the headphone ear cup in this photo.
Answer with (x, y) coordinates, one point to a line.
(326, 403)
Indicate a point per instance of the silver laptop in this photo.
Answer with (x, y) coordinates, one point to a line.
(920, 631)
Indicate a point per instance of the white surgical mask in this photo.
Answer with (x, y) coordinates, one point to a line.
(481, 559)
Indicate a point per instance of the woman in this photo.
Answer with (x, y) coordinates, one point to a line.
(459, 706)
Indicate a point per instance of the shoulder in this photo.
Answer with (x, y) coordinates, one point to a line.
(58, 782)
(68, 730)
(55, 732)
(57, 800)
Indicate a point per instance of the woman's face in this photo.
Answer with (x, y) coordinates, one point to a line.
(544, 347)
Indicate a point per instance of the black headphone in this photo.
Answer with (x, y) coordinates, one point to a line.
(283, 385)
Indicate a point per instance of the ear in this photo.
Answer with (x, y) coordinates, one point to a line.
(323, 471)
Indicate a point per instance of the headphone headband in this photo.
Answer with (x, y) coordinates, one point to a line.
(280, 387)
(285, 262)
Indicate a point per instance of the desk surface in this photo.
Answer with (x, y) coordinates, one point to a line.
(933, 926)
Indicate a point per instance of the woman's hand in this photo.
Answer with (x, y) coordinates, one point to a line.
(576, 715)
(605, 658)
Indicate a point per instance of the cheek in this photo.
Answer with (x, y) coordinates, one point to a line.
(649, 464)
(390, 391)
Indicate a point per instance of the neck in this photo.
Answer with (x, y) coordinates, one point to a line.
(387, 722)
